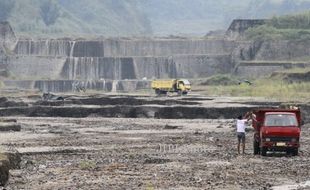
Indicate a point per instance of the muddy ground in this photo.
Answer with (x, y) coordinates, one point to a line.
(96, 152)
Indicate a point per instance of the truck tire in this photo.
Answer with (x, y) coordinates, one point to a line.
(295, 152)
(264, 151)
(157, 92)
(256, 147)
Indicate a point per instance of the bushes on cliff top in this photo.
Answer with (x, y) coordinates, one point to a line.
(288, 27)
(297, 21)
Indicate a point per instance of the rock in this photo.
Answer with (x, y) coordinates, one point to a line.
(8, 120)
(42, 167)
(8, 161)
(4, 102)
(171, 127)
(10, 127)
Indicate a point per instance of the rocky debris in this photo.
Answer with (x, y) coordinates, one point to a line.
(5, 102)
(49, 103)
(125, 111)
(8, 160)
(10, 120)
(9, 125)
(172, 127)
(129, 100)
(4, 169)
(12, 126)
(139, 151)
(49, 96)
(131, 158)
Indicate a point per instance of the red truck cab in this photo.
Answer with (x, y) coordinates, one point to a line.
(276, 130)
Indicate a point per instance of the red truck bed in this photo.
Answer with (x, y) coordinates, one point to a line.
(259, 116)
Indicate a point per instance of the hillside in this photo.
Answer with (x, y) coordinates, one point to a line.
(136, 17)
(81, 17)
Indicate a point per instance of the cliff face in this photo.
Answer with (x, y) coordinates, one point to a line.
(122, 59)
(7, 35)
(58, 64)
(122, 48)
(239, 26)
(7, 43)
(282, 50)
(120, 68)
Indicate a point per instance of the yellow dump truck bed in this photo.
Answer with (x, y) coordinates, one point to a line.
(163, 84)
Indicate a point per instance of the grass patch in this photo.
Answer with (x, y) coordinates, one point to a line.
(268, 88)
(295, 70)
(276, 62)
(87, 165)
(267, 32)
(3, 157)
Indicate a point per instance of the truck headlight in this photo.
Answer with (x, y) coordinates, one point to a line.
(267, 139)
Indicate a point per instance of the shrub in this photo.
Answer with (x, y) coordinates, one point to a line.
(87, 165)
(289, 27)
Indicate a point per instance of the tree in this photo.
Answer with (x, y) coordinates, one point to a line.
(6, 7)
(49, 11)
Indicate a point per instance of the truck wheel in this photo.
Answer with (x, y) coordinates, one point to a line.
(295, 152)
(184, 93)
(157, 92)
(256, 147)
(264, 151)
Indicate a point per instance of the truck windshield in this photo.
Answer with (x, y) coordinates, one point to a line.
(186, 82)
(280, 120)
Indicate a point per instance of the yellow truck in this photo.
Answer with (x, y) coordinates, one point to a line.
(181, 86)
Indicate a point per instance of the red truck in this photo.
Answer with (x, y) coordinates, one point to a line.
(276, 130)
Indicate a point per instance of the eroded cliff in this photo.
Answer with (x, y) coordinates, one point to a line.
(49, 63)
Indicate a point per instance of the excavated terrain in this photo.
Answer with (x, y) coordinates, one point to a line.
(172, 143)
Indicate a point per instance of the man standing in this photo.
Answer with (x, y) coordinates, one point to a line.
(241, 124)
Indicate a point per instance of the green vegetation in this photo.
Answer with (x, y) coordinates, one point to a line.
(149, 186)
(288, 27)
(295, 70)
(274, 88)
(87, 165)
(298, 60)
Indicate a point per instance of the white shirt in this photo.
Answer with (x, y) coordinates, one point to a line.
(241, 125)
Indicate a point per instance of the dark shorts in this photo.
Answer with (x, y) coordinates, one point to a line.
(241, 137)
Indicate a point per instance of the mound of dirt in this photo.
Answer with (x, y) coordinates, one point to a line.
(220, 80)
